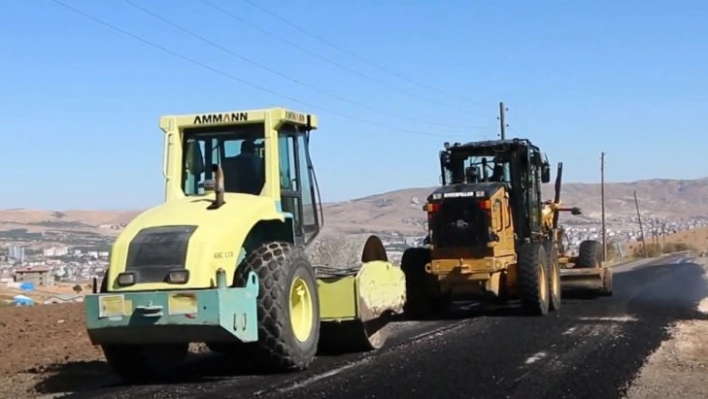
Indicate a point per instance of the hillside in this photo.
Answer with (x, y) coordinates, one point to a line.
(401, 210)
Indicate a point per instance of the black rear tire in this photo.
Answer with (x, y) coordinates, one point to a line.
(420, 305)
(554, 278)
(589, 254)
(532, 271)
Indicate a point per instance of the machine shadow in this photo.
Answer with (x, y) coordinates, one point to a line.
(72, 377)
(84, 377)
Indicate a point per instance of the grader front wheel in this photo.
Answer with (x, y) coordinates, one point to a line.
(288, 306)
(420, 304)
(554, 280)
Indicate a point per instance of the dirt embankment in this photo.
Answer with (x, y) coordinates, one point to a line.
(45, 349)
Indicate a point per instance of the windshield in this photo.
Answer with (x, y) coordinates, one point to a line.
(239, 152)
(475, 168)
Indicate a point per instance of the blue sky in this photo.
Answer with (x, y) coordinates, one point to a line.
(81, 101)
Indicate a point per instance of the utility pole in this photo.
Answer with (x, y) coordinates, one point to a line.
(502, 121)
(641, 228)
(602, 200)
(663, 232)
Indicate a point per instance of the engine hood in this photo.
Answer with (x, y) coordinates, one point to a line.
(206, 238)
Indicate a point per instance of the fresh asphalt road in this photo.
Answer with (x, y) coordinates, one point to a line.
(588, 349)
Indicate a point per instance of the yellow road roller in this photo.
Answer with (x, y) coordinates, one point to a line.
(235, 256)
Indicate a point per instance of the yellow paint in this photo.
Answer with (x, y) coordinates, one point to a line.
(112, 305)
(271, 119)
(214, 235)
(182, 303)
(128, 307)
(497, 256)
(338, 298)
(301, 309)
(381, 286)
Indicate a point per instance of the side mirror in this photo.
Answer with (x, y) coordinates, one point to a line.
(545, 173)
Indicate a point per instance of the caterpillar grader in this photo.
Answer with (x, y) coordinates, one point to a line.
(235, 256)
(490, 236)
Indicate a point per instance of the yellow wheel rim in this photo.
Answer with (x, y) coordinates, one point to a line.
(556, 280)
(543, 283)
(301, 309)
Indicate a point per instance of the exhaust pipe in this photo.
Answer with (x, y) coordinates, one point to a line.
(218, 187)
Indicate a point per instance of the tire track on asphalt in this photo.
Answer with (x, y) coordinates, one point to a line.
(551, 345)
(212, 374)
(550, 358)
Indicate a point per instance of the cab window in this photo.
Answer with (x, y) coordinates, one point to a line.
(298, 187)
(239, 152)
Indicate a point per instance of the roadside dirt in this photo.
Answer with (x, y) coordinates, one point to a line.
(39, 342)
(678, 368)
(45, 350)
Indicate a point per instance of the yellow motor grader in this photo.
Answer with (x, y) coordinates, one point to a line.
(235, 256)
(486, 237)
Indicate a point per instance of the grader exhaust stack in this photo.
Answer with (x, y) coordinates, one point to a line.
(584, 272)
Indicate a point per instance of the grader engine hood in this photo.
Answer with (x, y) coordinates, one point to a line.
(182, 243)
(459, 214)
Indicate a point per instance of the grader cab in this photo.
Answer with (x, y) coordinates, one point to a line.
(486, 239)
(235, 256)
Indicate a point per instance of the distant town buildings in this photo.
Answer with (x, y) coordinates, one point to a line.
(40, 276)
(16, 253)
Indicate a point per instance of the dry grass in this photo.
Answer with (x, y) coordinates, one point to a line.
(694, 238)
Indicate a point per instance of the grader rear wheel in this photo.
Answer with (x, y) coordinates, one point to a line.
(554, 280)
(288, 306)
(533, 279)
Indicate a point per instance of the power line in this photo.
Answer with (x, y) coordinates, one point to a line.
(321, 57)
(360, 58)
(235, 78)
(290, 78)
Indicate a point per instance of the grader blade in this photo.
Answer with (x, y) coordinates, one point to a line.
(597, 280)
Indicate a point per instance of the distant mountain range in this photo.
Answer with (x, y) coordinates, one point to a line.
(400, 210)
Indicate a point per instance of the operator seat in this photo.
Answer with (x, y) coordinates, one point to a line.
(498, 174)
(244, 173)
